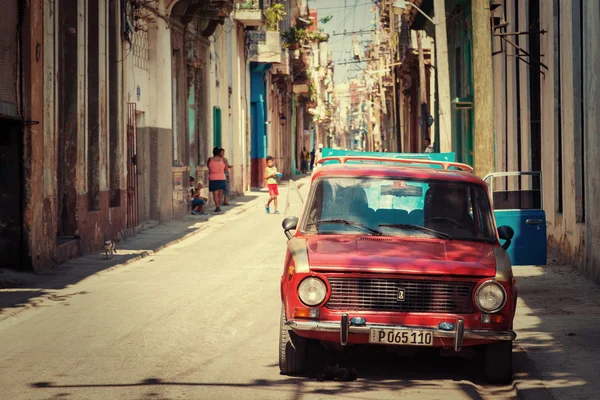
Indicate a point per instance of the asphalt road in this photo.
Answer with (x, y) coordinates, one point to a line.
(199, 320)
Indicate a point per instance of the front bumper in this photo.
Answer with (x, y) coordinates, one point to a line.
(345, 327)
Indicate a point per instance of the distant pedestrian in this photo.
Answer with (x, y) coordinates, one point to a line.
(271, 176)
(319, 155)
(227, 191)
(428, 146)
(312, 158)
(305, 158)
(216, 177)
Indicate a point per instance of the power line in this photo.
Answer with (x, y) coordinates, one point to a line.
(361, 32)
(342, 7)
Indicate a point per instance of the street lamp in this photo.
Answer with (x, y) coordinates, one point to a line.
(282, 119)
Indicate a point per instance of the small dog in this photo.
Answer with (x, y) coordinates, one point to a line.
(109, 249)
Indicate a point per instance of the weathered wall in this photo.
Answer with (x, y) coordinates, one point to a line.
(558, 108)
(63, 135)
(229, 90)
(181, 150)
(240, 113)
(39, 237)
(591, 110)
(151, 71)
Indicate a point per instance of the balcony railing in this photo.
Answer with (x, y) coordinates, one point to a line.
(264, 46)
(249, 12)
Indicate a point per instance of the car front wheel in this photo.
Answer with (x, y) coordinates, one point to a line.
(498, 362)
(292, 349)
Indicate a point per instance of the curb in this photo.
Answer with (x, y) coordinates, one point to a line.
(35, 302)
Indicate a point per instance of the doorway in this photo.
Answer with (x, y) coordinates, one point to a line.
(11, 197)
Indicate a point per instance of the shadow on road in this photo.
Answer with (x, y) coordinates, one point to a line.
(383, 373)
(557, 326)
(24, 289)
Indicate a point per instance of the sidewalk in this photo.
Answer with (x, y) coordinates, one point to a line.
(22, 290)
(558, 328)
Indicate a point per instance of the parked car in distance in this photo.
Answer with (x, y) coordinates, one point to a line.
(401, 252)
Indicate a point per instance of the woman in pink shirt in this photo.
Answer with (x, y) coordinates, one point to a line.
(216, 177)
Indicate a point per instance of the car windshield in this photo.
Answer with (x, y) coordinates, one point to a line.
(399, 207)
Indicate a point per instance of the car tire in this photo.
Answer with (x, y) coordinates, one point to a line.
(292, 349)
(498, 362)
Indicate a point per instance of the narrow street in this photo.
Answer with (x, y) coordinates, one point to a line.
(197, 320)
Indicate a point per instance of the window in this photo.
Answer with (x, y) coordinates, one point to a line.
(558, 102)
(400, 207)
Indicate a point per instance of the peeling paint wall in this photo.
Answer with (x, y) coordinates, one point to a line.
(147, 84)
(59, 146)
(570, 120)
(591, 109)
(37, 213)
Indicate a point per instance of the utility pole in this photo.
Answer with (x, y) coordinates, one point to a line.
(483, 96)
(444, 119)
(423, 90)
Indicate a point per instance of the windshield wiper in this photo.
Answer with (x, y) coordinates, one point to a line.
(419, 228)
(347, 223)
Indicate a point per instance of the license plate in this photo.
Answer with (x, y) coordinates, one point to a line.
(401, 337)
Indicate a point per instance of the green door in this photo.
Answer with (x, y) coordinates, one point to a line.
(217, 130)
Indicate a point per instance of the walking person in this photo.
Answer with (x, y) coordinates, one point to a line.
(312, 158)
(305, 157)
(271, 176)
(216, 177)
(227, 191)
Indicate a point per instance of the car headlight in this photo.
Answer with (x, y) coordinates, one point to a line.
(490, 297)
(312, 291)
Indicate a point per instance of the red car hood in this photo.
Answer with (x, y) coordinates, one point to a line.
(401, 255)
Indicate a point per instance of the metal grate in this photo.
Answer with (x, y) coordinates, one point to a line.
(141, 50)
(132, 176)
(376, 294)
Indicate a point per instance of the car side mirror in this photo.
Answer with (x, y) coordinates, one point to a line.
(506, 233)
(289, 224)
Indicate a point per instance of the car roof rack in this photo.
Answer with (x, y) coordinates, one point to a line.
(444, 164)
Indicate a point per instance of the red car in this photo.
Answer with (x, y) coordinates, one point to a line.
(395, 253)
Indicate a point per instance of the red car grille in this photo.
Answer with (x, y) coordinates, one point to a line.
(371, 294)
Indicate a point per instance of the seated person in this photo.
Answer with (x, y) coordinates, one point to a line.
(198, 202)
(192, 186)
(351, 204)
(447, 210)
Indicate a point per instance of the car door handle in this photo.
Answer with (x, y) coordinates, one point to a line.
(533, 221)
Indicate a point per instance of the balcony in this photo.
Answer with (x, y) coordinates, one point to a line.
(264, 46)
(284, 67)
(249, 13)
(300, 88)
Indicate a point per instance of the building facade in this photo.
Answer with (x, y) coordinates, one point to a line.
(541, 100)
(106, 109)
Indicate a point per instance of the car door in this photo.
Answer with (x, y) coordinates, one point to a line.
(518, 202)
(294, 199)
